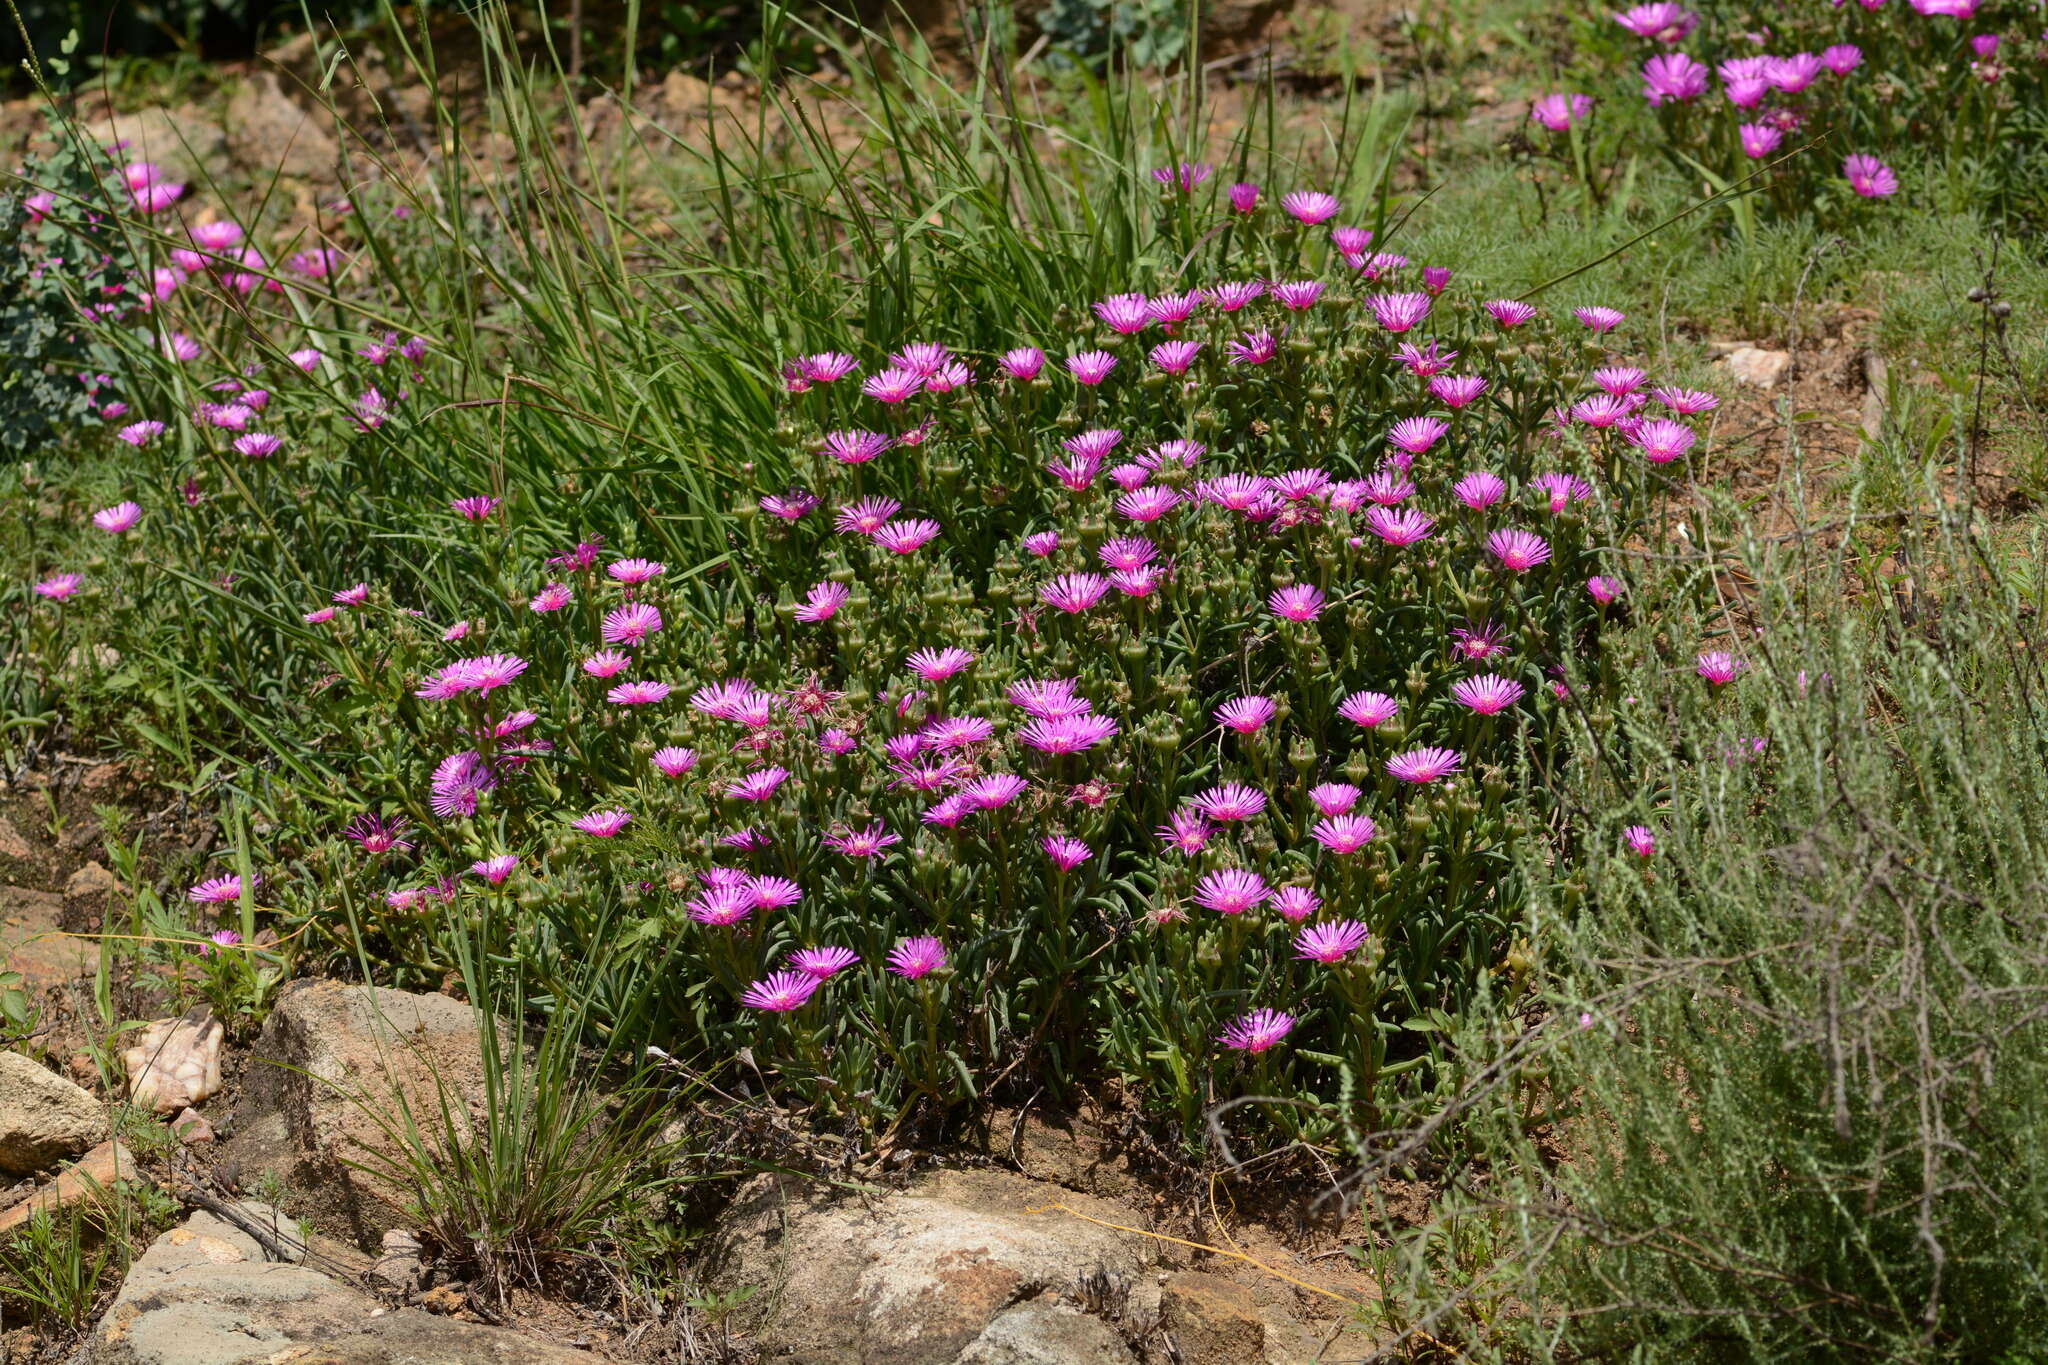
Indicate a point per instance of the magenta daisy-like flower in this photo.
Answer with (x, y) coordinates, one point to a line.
(457, 782)
(1488, 694)
(1186, 832)
(1416, 434)
(1399, 312)
(630, 624)
(1601, 410)
(1311, 208)
(865, 843)
(1369, 709)
(1560, 110)
(1257, 1031)
(553, 597)
(1719, 667)
(1618, 380)
(603, 824)
(1066, 853)
(1230, 802)
(1842, 58)
(1603, 590)
(1424, 765)
(140, 433)
(823, 602)
(1231, 891)
(1298, 295)
(893, 385)
(258, 445)
(758, 785)
(1066, 734)
(1126, 552)
(644, 693)
(1479, 490)
(1174, 309)
(1457, 392)
(1398, 525)
(1148, 504)
(854, 447)
(1244, 197)
(1246, 715)
(994, 791)
(475, 507)
(1175, 357)
(1661, 440)
(1343, 834)
(1686, 402)
(1641, 840)
(1090, 367)
(218, 890)
(865, 517)
(948, 378)
(906, 536)
(353, 596)
(1185, 176)
(721, 905)
(120, 518)
(496, 870)
(1253, 348)
(673, 761)
(1074, 592)
(1023, 363)
(1673, 76)
(1047, 699)
(1334, 798)
(1332, 942)
(1870, 177)
(922, 357)
(1301, 602)
(1517, 549)
(1600, 319)
(634, 571)
(1125, 313)
(957, 732)
(1296, 903)
(375, 834)
(1478, 643)
(607, 663)
(1232, 295)
(781, 992)
(822, 962)
(937, 665)
(826, 366)
(917, 957)
(1561, 490)
(1663, 21)
(1759, 140)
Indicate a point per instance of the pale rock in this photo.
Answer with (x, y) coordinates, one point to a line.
(44, 1118)
(1757, 368)
(175, 1064)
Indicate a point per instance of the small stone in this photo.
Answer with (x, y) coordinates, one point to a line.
(267, 132)
(176, 1062)
(192, 1128)
(88, 1179)
(1758, 368)
(43, 1117)
(12, 845)
(398, 1265)
(90, 882)
(1212, 1320)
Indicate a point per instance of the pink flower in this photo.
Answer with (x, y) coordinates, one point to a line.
(907, 536)
(1603, 590)
(1232, 295)
(1416, 434)
(1510, 312)
(1600, 319)
(1686, 402)
(1257, 1031)
(320, 617)
(865, 517)
(1125, 314)
(307, 359)
(219, 890)
(1673, 76)
(868, 843)
(375, 834)
(1330, 943)
(1664, 21)
(1246, 715)
(1298, 295)
(1091, 367)
(1842, 58)
(781, 992)
(1368, 709)
(140, 433)
(607, 663)
(496, 870)
(1424, 765)
(119, 518)
(1661, 440)
(1174, 357)
(258, 445)
(1295, 903)
(1231, 891)
(1480, 490)
(994, 791)
(631, 623)
(1399, 526)
(1230, 802)
(1066, 854)
(1457, 391)
(1719, 667)
(855, 447)
(1187, 833)
(1310, 207)
(635, 571)
(1561, 489)
(1074, 592)
(553, 597)
(1334, 798)
(638, 693)
(1640, 840)
(1759, 139)
(1399, 312)
(1870, 177)
(1343, 834)
(759, 785)
(912, 958)
(937, 665)
(1518, 550)
(672, 761)
(1560, 111)
(1023, 363)
(823, 602)
(1619, 381)
(1487, 694)
(1244, 197)
(1253, 348)
(602, 824)
(1302, 602)
(1066, 734)
(892, 385)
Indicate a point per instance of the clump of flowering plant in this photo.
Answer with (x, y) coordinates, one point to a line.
(1874, 83)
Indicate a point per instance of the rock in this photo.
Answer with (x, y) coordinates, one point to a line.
(43, 1117)
(267, 132)
(1213, 1321)
(36, 945)
(1757, 368)
(917, 1277)
(85, 1180)
(89, 886)
(398, 1265)
(333, 1060)
(205, 1294)
(192, 1128)
(1044, 1331)
(176, 1062)
(12, 844)
(100, 776)
(180, 140)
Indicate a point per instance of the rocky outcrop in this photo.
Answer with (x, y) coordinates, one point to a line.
(44, 1118)
(174, 1063)
(89, 1180)
(208, 1293)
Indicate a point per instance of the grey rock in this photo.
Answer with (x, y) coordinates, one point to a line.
(268, 132)
(206, 1294)
(1756, 367)
(1044, 1331)
(44, 1118)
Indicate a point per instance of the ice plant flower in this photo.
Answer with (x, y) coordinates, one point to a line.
(1175, 357)
(907, 536)
(119, 518)
(1560, 111)
(823, 602)
(758, 785)
(1719, 667)
(937, 665)
(1457, 391)
(1074, 592)
(1332, 942)
(1842, 58)
(1230, 802)
(1759, 139)
(638, 693)
(219, 890)
(140, 433)
(1310, 207)
(1065, 853)
(1487, 694)
(1605, 591)
(1661, 440)
(1257, 1031)
(1518, 550)
(1343, 834)
(1368, 709)
(1673, 76)
(1066, 734)
(1870, 177)
(1231, 891)
(1600, 319)
(1302, 602)
(917, 957)
(1090, 367)
(1416, 434)
(823, 962)
(496, 870)
(781, 992)
(1399, 313)
(1253, 348)
(553, 597)
(1244, 197)
(1399, 525)
(1246, 715)
(602, 824)
(1479, 490)
(1686, 402)
(631, 623)
(673, 761)
(1664, 22)
(893, 385)
(1641, 840)
(1022, 363)
(375, 834)
(1424, 765)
